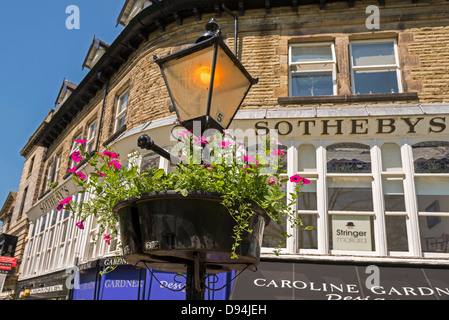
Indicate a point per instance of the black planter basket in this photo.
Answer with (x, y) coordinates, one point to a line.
(166, 230)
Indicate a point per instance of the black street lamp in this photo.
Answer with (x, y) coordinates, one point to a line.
(207, 85)
(206, 82)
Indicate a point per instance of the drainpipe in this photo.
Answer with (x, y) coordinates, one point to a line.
(236, 24)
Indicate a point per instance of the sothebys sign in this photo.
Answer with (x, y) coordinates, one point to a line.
(326, 281)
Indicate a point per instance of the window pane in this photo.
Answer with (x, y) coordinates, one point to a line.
(309, 53)
(283, 159)
(431, 157)
(396, 233)
(391, 157)
(349, 194)
(432, 194)
(353, 233)
(307, 197)
(312, 67)
(66, 214)
(312, 84)
(393, 189)
(121, 122)
(370, 54)
(43, 223)
(272, 235)
(348, 158)
(307, 239)
(53, 218)
(149, 160)
(434, 233)
(122, 103)
(375, 81)
(306, 157)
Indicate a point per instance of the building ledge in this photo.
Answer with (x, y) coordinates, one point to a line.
(375, 97)
(114, 136)
(392, 260)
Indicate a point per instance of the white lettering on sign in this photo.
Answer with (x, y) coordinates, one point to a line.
(122, 284)
(55, 288)
(345, 291)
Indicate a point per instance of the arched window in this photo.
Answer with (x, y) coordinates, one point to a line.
(431, 163)
(348, 157)
(431, 157)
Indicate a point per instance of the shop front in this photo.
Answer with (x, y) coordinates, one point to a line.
(126, 282)
(46, 287)
(342, 281)
(378, 199)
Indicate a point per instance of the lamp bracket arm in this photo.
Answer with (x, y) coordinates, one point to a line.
(145, 142)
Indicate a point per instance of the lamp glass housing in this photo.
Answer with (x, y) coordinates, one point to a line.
(206, 82)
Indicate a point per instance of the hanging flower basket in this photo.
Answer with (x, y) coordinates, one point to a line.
(164, 225)
(163, 230)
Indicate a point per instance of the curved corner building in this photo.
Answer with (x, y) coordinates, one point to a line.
(358, 93)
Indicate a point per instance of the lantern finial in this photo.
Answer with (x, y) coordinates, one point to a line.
(212, 29)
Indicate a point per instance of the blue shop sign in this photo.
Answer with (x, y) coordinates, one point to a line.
(127, 282)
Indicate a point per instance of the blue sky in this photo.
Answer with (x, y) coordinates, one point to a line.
(37, 52)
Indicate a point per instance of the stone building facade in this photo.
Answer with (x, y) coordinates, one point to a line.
(333, 83)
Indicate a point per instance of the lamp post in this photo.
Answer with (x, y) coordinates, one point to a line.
(207, 85)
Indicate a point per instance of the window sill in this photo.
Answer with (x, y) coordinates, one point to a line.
(350, 98)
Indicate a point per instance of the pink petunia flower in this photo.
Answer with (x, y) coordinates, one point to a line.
(107, 238)
(225, 144)
(208, 166)
(114, 164)
(110, 154)
(66, 200)
(76, 156)
(80, 175)
(80, 224)
(63, 202)
(305, 181)
(101, 174)
(271, 181)
(250, 159)
(277, 152)
(73, 170)
(81, 141)
(184, 133)
(295, 178)
(201, 140)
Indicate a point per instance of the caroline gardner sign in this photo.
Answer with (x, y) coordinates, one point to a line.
(330, 281)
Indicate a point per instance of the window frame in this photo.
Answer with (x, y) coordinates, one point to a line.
(91, 135)
(73, 148)
(411, 245)
(312, 44)
(119, 114)
(31, 165)
(426, 214)
(393, 67)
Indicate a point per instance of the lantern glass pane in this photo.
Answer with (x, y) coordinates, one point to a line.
(230, 87)
(188, 79)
